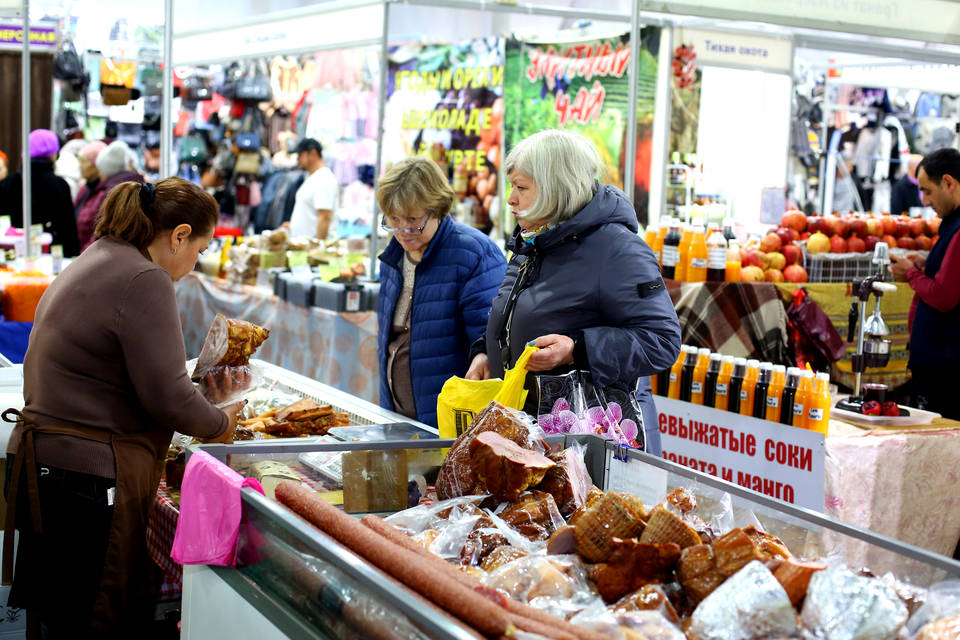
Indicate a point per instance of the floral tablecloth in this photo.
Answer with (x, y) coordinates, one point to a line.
(338, 349)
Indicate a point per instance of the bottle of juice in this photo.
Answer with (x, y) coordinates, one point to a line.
(731, 272)
(683, 253)
(716, 257)
(747, 387)
(760, 390)
(670, 254)
(697, 260)
(653, 384)
(775, 392)
(818, 415)
(697, 386)
(661, 234)
(686, 374)
(710, 383)
(788, 400)
(650, 237)
(723, 383)
(735, 388)
(801, 401)
(673, 389)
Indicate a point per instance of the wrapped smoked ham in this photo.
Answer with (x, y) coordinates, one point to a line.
(229, 343)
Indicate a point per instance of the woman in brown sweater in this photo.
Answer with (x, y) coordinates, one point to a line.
(105, 385)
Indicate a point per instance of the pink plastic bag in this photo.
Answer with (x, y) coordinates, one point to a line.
(209, 521)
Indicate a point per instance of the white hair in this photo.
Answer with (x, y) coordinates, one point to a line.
(563, 165)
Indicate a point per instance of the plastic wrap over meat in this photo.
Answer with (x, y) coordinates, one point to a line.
(229, 342)
(843, 606)
(546, 582)
(568, 482)
(457, 476)
(751, 605)
(627, 625)
(224, 384)
(942, 601)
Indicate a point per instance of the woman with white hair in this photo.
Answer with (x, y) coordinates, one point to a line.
(582, 285)
(115, 164)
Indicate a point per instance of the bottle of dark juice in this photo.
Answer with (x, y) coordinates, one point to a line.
(670, 252)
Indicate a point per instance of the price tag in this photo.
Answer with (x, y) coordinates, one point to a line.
(297, 261)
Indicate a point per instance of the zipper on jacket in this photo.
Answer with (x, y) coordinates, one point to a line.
(519, 285)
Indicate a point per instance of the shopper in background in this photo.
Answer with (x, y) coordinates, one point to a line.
(105, 388)
(437, 280)
(3, 166)
(905, 192)
(115, 165)
(50, 203)
(67, 166)
(582, 285)
(316, 197)
(935, 312)
(88, 169)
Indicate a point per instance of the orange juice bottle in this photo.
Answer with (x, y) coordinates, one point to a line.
(775, 392)
(653, 384)
(802, 399)
(698, 256)
(661, 234)
(699, 376)
(732, 272)
(673, 391)
(723, 383)
(683, 252)
(650, 237)
(818, 414)
(746, 389)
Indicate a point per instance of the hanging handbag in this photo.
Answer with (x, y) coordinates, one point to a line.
(254, 86)
(193, 149)
(66, 62)
(248, 142)
(152, 80)
(196, 88)
(114, 95)
(248, 163)
(815, 339)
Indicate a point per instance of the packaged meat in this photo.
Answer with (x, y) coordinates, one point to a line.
(749, 605)
(610, 517)
(665, 526)
(229, 342)
(632, 565)
(794, 576)
(942, 629)
(568, 482)
(649, 597)
(534, 515)
(503, 468)
(841, 605)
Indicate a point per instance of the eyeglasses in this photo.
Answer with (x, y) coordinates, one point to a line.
(408, 230)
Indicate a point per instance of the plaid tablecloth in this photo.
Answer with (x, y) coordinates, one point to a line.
(160, 530)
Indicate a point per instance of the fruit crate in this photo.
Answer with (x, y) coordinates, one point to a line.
(838, 267)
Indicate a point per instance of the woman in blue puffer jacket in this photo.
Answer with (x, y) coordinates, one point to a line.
(437, 280)
(581, 285)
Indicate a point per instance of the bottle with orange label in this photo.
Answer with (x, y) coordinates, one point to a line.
(683, 253)
(747, 387)
(775, 392)
(673, 390)
(721, 395)
(697, 259)
(802, 398)
(698, 385)
(818, 414)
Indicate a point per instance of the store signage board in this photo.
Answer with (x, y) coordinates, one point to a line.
(43, 35)
(326, 30)
(740, 50)
(930, 20)
(779, 461)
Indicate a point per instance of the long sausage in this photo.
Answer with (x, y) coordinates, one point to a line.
(464, 603)
(436, 563)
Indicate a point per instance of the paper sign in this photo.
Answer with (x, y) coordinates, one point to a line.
(780, 461)
(297, 261)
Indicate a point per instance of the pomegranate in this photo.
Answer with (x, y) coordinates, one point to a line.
(890, 240)
(770, 242)
(776, 260)
(933, 226)
(917, 227)
(795, 220)
(906, 242)
(795, 273)
(856, 244)
(889, 225)
(870, 408)
(773, 275)
(786, 236)
(792, 254)
(752, 274)
(841, 227)
(890, 409)
(838, 245)
(818, 243)
(924, 243)
(858, 226)
(870, 242)
(874, 227)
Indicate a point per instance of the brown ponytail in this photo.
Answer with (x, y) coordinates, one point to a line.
(128, 215)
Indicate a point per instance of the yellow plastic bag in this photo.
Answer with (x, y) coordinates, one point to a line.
(461, 399)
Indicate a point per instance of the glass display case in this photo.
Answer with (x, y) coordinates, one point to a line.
(298, 577)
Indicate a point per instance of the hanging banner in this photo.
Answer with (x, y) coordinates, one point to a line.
(774, 459)
(446, 102)
(584, 86)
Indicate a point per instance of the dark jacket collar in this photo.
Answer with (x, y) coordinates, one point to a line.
(609, 205)
(393, 254)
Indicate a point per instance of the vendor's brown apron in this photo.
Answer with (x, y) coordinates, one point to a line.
(139, 459)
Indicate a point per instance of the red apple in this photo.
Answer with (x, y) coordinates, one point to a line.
(890, 240)
(917, 227)
(838, 245)
(841, 227)
(792, 253)
(906, 242)
(870, 242)
(933, 226)
(770, 242)
(924, 243)
(795, 273)
(856, 244)
(795, 220)
(752, 274)
(874, 227)
(889, 225)
(859, 227)
(871, 408)
(818, 243)
(773, 275)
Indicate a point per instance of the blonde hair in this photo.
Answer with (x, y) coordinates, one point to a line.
(564, 166)
(412, 183)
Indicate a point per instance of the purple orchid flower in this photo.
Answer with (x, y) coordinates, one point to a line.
(559, 420)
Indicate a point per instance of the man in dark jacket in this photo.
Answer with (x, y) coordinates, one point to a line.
(905, 193)
(935, 311)
(50, 203)
(582, 285)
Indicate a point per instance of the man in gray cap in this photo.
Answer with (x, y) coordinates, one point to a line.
(51, 204)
